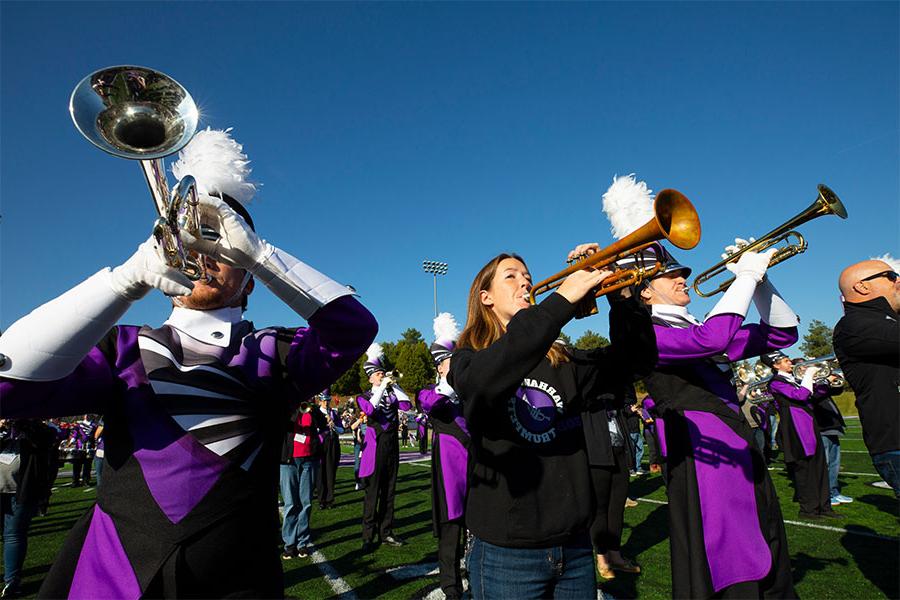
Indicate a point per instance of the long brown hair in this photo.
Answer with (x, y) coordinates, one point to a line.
(483, 328)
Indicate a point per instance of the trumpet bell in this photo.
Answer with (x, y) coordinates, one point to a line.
(134, 112)
(677, 219)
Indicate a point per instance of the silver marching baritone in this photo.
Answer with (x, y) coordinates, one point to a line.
(827, 366)
(141, 114)
(757, 380)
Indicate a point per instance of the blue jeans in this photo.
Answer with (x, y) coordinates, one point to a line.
(498, 573)
(638, 441)
(16, 518)
(832, 446)
(297, 481)
(888, 466)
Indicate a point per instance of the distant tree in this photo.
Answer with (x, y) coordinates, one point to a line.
(416, 366)
(349, 384)
(817, 341)
(411, 336)
(590, 340)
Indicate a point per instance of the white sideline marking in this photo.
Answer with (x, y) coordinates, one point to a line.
(854, 451)
(340, 587)
(413, 571)
(811, 525)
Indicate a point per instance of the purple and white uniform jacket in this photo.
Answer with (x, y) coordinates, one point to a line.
(193, 424)
(451, 444)
(382, 421)
(798, 432)
(709, 449)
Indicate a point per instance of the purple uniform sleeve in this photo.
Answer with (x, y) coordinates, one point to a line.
(720, 334)
(337, 335)
(364, 405)
(797, 394)
(404, 405)
(429, 399)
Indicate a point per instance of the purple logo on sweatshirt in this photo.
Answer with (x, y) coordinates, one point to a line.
(533, 411)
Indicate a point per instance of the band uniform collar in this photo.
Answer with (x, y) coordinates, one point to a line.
(208, 326)
(677, 316)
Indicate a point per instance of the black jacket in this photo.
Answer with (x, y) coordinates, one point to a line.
(530, 485)
(867, 344)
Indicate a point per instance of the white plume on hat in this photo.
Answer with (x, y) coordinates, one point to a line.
(894, 263)
(375, 352)
(628, 204)
(218, 163)
(445, 328)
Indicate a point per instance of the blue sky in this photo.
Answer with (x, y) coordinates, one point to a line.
(387, 134)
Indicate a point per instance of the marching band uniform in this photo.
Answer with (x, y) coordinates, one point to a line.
(422, 432)
(449, 461)
(726, 531)
(330, 442)
(799, 437)
(193, 410)
(380, 460)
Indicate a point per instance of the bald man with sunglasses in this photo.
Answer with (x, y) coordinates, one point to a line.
(867, 344)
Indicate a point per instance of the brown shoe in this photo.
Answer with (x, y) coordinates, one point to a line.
(605, 571)
(629, 503)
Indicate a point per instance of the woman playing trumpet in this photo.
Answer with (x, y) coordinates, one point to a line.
(530, 499)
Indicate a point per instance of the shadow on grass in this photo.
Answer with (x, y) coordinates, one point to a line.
(875, 558)
(652, 530)
(802, 563)
(884, 503)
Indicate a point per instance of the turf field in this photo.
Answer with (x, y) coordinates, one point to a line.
(857, 557)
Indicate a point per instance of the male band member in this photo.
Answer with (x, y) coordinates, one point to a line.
(799, 440)
(330, 443)
(865, 343)
(449, 458)
(422, 423)
(726, 531)
(380, 459)
(193, 410)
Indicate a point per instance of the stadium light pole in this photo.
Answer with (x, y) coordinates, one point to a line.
(435, 268)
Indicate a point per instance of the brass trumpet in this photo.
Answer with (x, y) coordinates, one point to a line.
(827, 203)
(675, 219)
(141, 114)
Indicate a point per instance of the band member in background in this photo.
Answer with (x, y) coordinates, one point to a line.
(653, 435)
(831, 429)
(380, 458)
(194, 410)
(610, 455)
(800, 441)
(422, 423)
(330, 449)
(530, 503)
(865, 343)
(358, 427)
(449, 458)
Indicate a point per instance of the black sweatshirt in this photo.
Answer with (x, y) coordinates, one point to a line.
(867, 344)
(530, 486)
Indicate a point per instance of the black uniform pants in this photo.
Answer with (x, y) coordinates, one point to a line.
(81, 470)
(450, 551)
(811, 482)
(378, 506)
(331, 457)
(611, 491)
(423, 442)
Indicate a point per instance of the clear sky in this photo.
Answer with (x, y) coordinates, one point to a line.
(387, 134)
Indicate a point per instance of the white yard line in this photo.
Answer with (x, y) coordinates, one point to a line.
(340, 587)
(810, 525)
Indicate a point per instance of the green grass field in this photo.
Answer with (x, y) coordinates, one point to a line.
(859, 560)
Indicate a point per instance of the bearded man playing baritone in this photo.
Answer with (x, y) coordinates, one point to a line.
(193, 410)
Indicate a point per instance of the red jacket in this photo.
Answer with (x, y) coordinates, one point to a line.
(304, 432)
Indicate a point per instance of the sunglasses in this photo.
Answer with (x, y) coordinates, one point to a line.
(889, 275)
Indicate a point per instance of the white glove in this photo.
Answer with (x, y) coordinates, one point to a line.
(738, 244)
(809, 377)
(237, 246)
(298, 285)
(752, 264)
(145, 270)
(444, 388)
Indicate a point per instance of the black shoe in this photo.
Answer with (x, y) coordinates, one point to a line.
(289, 553)
(303, 551)
(393, 541)
(368, 547)
(830, 514)
(11, 591)
(806, 515)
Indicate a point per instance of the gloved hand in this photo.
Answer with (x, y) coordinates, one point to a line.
(752, 264)
(237, 246)
(738, 244)
(146, 270)
(809, 377)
